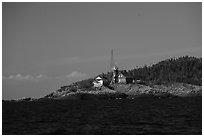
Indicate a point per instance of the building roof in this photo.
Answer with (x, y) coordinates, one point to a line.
(121, 74)
(98, 78)
(124, 74)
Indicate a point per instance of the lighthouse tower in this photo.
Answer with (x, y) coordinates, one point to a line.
(114, 69)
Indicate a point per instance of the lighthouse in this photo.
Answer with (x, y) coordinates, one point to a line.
(114, 69)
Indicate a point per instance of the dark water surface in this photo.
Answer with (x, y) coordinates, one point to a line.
(143, 115)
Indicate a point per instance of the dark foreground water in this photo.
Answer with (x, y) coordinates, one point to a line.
(143, 115)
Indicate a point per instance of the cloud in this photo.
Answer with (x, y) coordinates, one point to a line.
(20, 77)
(23, 77)
(76, 74)
(40, 76)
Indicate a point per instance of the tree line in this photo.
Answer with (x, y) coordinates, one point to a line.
(183, 69)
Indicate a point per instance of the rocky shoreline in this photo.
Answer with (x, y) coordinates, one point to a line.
(133, 90)
(121, 91)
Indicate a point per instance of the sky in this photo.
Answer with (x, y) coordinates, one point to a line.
(49, 45)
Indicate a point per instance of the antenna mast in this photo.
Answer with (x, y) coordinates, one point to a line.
(112, 60)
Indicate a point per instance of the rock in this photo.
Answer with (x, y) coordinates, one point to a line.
(176, 89)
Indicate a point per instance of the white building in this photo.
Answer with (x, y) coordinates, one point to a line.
(98, 82)
(121, 78)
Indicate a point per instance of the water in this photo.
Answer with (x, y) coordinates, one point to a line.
(143, 115)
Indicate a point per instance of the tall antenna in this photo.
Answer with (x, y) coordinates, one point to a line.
(112, 60)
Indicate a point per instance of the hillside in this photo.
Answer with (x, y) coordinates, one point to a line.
(178, 77)
(184, 69)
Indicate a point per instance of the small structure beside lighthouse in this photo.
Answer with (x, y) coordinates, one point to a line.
(98, 82)
(121, 78)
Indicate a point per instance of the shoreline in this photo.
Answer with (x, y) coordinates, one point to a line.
(124, 91)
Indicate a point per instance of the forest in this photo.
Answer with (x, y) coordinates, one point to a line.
(183, 70)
